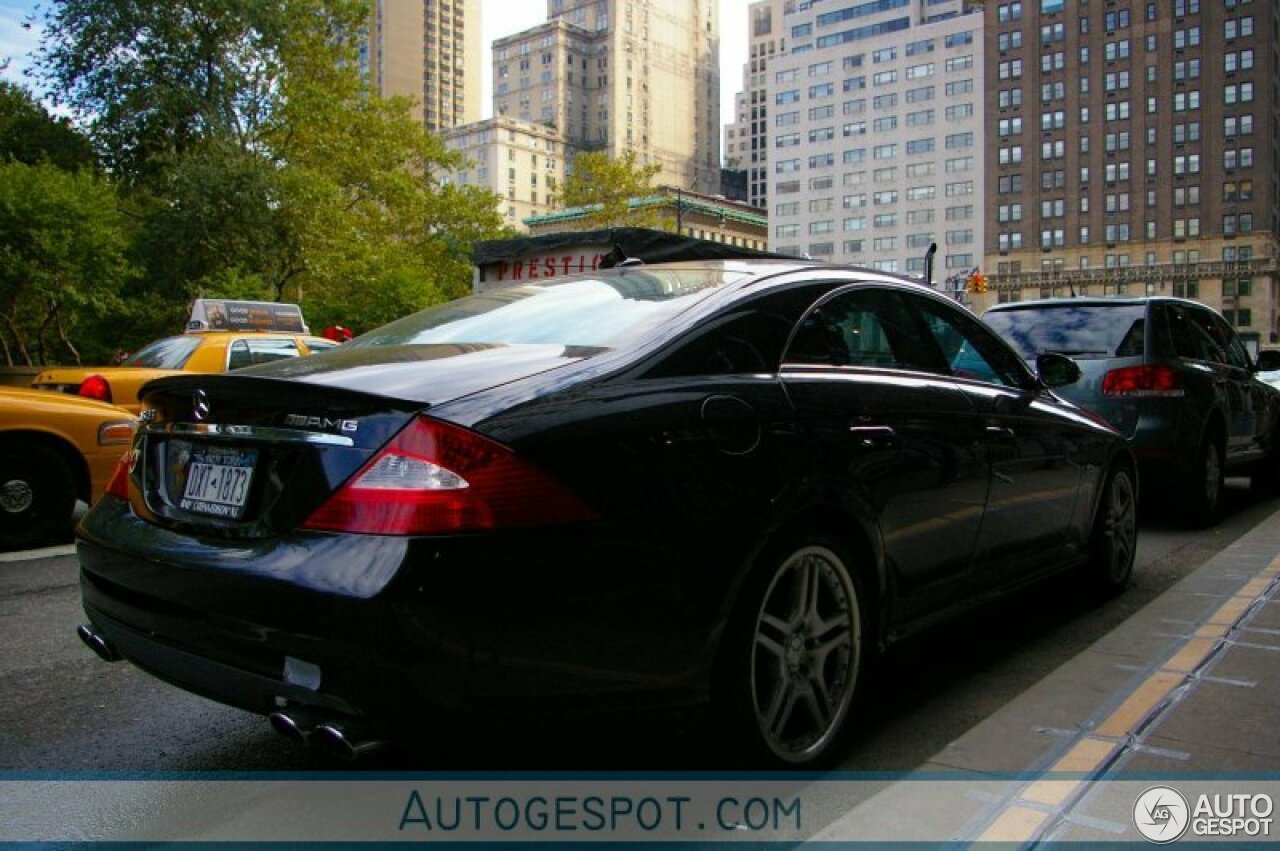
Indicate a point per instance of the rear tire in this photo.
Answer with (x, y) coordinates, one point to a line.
(1264, 479)
(794, 655)
(1202, 495)
(37, 493)
(1114, 541)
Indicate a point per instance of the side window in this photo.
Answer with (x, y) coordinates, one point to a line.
(239, 355)
(747, 340)
(969, 349)
(864, 327)
(1193, 337)
(252, 352)
(1237, 356)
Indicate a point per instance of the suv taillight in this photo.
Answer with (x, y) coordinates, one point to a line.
(1155, 380)
(436, 478)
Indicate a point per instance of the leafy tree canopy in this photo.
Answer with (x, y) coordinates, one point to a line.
(255, 161)
(61, 260)
(29, 134)
(607, 185)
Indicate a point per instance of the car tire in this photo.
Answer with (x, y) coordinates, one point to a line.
(1113, 543)
(37, 493)
(794, 655)
(1264, 478)
(1202, 493)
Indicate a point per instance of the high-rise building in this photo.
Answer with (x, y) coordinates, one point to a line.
(1134, 151)
(746, 140)
(429, 50)
(619, 75)
(522, 162)
(875, 134)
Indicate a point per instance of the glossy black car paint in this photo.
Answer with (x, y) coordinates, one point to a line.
(695, 451)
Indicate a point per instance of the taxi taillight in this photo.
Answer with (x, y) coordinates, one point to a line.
(95, 387)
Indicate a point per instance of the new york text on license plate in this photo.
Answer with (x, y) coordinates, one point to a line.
(218, 482)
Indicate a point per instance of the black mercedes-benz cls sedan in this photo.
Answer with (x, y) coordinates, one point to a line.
(723, 483)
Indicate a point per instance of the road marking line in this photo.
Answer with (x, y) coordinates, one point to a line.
(46, 552)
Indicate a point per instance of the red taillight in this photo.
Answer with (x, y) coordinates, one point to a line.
(435, 478)
(95, 387)
(1142, 381)
(119, 484)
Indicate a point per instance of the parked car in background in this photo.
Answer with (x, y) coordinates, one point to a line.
(54, 449)
(1173, 377)
(659, 485)
(221, 336)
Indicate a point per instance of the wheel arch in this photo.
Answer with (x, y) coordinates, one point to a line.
(859, 537)
(66, 450)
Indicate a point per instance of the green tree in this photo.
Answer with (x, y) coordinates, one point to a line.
(29, 134)
(605, 186)
(256, 160)
(61, 260)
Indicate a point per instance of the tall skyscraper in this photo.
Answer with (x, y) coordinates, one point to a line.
(746, 140)
(874, 122)
(429, 50)
(1135, 152)
(619, 75)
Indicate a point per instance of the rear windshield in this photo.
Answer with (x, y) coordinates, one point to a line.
(169, 353)
(594, 311)
(1078, 330)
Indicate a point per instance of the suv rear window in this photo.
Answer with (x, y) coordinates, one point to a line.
(1078, 330)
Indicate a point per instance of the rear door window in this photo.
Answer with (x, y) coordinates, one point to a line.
(1194, 336)
(255, 351)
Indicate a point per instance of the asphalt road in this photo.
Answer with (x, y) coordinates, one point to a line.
(61, 709)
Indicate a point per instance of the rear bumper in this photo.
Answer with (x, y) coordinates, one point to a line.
(390, 628)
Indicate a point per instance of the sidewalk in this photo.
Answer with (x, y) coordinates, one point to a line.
(1188, 688)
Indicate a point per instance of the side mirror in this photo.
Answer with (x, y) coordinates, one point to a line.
(1057, 370)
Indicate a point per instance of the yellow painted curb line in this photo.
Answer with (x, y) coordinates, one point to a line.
(1025, 816)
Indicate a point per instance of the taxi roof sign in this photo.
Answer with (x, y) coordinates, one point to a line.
(216, 314)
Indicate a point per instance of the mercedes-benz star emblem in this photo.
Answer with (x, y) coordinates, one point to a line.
(199, 406)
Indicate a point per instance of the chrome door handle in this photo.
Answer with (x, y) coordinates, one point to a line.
(871, 436)
(1000, 433)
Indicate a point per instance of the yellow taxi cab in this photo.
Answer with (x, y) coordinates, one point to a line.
(54, 449)
(220, 336)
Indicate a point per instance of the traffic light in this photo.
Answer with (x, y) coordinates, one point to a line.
(977, 283)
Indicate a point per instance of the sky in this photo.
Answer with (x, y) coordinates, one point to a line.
(498, 18)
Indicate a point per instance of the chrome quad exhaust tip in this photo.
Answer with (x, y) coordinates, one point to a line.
(347, 740)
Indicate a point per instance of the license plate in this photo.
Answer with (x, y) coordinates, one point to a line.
(218, 482)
